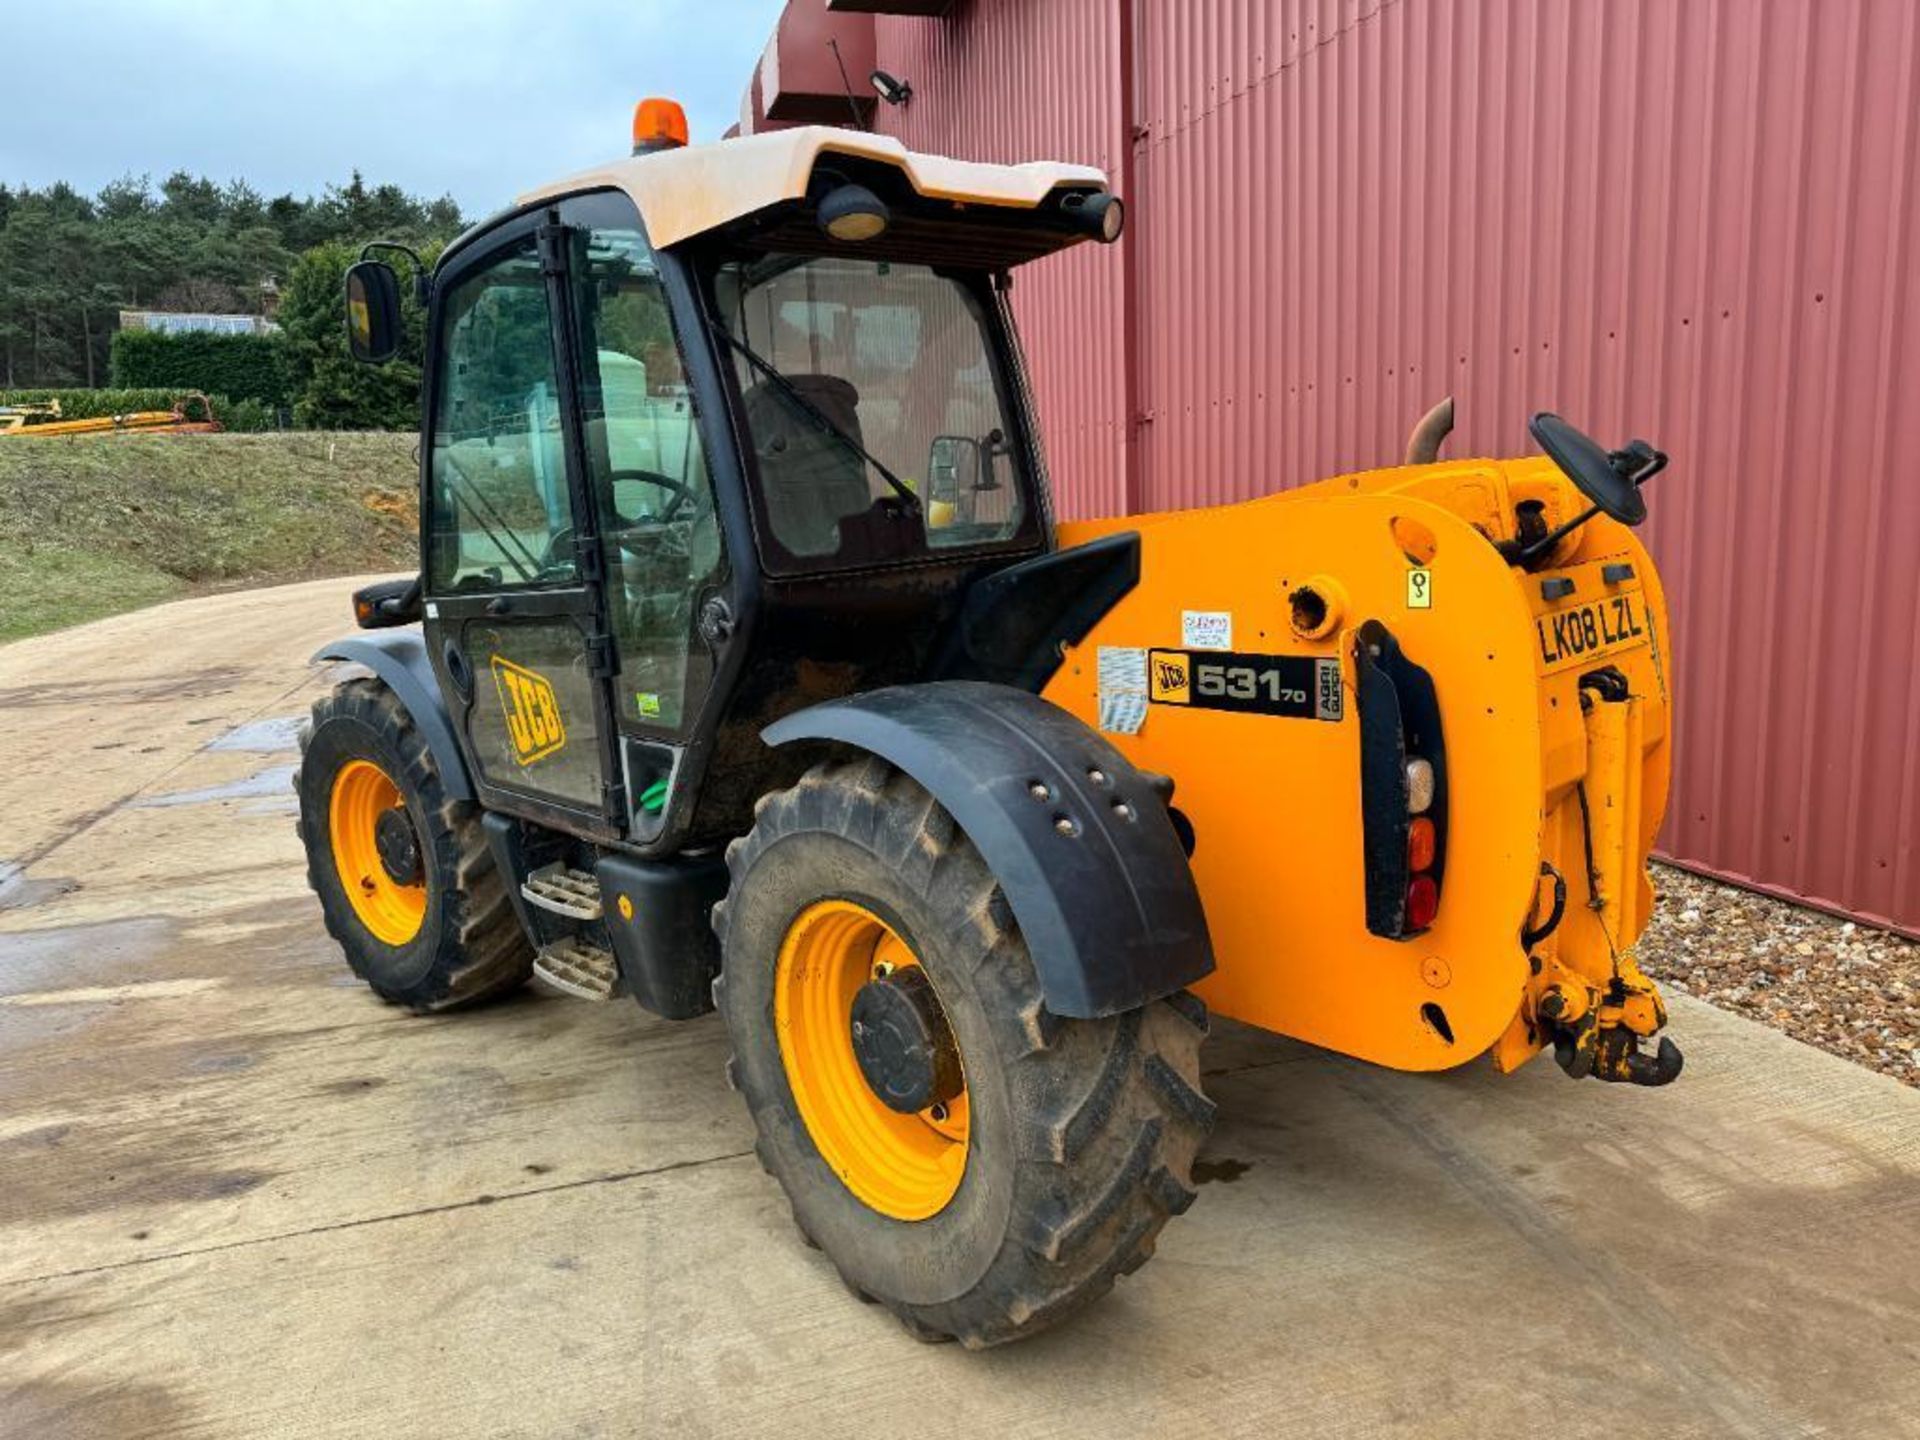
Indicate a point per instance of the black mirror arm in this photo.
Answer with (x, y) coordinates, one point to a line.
(1638, 462)
(422, 277)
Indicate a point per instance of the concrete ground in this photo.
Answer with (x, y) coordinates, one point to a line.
(239, 1197)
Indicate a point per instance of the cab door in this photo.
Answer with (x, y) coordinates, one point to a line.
(666, 576)
(514, 603)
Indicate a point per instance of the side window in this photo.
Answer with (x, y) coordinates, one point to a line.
(501, 514)
(648, 473)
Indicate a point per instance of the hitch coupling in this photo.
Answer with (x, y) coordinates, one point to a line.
(1599, 1033)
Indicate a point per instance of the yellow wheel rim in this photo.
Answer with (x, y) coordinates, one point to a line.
(362, 793)
(904, 1166)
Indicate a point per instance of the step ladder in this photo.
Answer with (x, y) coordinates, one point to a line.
(573, 967)
(571, 964)
(572, 893)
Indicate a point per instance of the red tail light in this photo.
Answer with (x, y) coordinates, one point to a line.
(1423, 902)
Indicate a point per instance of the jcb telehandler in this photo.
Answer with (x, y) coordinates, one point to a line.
(748, 668)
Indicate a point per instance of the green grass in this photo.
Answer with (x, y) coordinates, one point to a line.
(96, 525)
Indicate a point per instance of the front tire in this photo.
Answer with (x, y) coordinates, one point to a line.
(406, 882)
(1075, 1138)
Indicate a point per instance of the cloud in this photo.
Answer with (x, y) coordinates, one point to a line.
(477, 98)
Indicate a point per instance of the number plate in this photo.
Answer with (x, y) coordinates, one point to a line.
(1297, 685)
(1591, 629)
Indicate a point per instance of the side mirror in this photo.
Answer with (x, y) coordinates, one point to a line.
(373, 312)
(954, 466)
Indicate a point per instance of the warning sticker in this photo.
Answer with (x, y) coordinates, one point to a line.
(1123, 689)
(1206, 629)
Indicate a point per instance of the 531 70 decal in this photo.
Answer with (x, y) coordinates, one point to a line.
(1300, 686)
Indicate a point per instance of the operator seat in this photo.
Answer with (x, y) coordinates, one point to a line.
(810, 480)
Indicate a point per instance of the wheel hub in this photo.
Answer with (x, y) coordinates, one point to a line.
(862, 1045)
(902, 1043)
(376, 853)
(398, 846)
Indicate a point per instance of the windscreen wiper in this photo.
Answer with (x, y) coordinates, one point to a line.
(820, 417)
(468, 495)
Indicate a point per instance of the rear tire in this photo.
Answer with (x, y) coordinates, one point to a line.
(466, 945)
(1081, 1133)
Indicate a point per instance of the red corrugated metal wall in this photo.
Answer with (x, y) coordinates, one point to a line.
(1692, 220)
(1012, 80)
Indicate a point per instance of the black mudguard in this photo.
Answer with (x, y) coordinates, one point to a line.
(1105, 900)
(399, 658)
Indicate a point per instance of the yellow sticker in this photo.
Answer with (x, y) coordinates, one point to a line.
(1420, 589)
(532, 711)
(1167, 677)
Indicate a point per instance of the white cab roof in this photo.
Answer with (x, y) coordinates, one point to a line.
(686, 191)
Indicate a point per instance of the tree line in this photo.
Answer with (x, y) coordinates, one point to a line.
(70, 262)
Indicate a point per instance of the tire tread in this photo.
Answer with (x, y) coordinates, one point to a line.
(1112, 1163)
(482, 951)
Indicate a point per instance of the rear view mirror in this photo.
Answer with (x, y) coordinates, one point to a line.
(954, 467)
(373, 312)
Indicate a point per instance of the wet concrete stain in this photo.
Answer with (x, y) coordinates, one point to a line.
(275, 781)
(18, 889)
(50, 1410)
(288, 805)
(276, 943)
(47, 1137)
(143, 1167)
(359, 1085)
(90, 694)
(221, 1064)
(1223, 1171)
(75, 1404)
(110, 952)
(279, 735)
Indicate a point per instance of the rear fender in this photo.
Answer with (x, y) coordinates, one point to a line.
(399, 659)
(1081, 845)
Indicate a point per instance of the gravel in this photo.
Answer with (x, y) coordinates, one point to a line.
(1847, 988)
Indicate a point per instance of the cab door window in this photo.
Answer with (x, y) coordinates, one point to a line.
(501, 515)
(647, 471)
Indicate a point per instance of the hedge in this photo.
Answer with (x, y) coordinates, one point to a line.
(241, 367)
(92, 404)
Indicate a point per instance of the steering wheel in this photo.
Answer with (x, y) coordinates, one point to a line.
(1611, 479)
(682, 492)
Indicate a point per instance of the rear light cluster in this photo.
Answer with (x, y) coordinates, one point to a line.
(1423, 847)
(1403, 786)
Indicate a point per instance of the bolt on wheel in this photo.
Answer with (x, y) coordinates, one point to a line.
(376, 852)
(871, 1060)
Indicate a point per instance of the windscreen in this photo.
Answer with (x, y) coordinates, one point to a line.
(861, 380)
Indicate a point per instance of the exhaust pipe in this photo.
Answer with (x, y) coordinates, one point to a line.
(1423, 445)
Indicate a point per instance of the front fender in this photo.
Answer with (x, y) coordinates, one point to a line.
(1092, 867)
(399, 659)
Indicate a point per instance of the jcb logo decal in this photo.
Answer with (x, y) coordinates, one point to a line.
(533, 714)
(1169, 674)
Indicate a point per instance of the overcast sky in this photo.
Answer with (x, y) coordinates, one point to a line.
(479, 99)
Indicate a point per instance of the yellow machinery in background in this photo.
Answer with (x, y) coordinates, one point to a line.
(43, 422)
